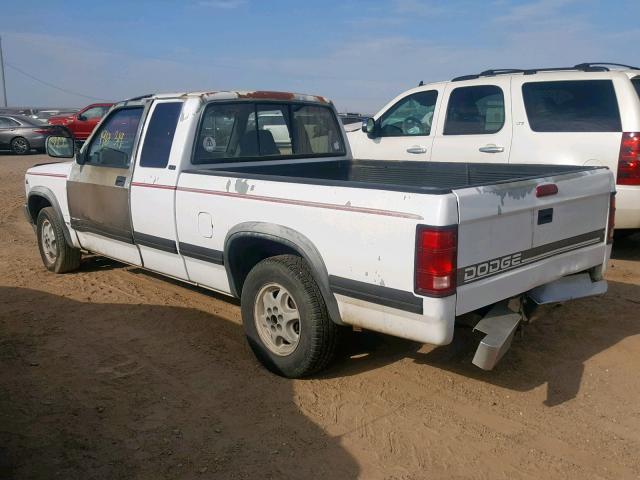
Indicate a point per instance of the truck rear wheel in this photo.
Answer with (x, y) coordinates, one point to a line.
(285, 318)
(56, 254)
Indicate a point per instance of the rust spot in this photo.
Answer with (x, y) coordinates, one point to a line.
(266, 95)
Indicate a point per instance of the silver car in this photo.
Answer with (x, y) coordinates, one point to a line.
(21, 135)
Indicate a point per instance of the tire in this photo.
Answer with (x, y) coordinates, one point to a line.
(20, 146)
(269, 283)
(56, 254)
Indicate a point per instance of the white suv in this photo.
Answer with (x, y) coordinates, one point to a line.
(584, 115)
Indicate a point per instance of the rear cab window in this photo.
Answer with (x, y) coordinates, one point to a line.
(572, 106)
(242, 131)
(475, 110)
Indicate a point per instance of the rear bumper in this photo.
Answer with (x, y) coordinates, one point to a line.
(516, 282)
(627, 206)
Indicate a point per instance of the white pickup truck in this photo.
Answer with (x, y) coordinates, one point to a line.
(195, 187)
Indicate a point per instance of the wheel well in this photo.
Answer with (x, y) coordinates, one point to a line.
(35, 204)
(247, 251)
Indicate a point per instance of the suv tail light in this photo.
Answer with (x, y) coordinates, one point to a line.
(612, 218)
(629, 159)
(436, 255)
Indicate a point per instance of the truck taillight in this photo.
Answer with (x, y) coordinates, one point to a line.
(612, 218)
(436, 255)
(629, 159)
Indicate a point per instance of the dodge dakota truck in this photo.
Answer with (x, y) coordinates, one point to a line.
(195, 187)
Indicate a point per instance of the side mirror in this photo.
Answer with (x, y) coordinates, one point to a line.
(81, 117)
(60, 147)
(369, 127)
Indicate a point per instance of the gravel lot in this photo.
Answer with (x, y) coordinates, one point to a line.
(111, 372)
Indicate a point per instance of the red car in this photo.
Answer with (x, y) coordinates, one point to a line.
(81, 124)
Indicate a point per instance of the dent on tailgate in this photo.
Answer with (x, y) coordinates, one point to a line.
(504, 228)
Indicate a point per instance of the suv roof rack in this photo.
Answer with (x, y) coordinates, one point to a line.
(583, 67)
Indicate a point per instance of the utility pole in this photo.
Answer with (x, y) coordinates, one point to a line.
(4, 86)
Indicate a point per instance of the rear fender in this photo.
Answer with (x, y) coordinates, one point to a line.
(293, 240)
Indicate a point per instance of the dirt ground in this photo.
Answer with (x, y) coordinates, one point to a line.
(111, 373)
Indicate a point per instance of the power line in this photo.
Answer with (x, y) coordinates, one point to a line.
(51, 85)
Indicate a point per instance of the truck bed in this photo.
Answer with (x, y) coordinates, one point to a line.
(404, 176)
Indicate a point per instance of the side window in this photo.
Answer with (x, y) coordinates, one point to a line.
(112, 144)
(8, 122)
(159, 136)
(413, 115)
(94, 112)
(572, 106)
(475, 110)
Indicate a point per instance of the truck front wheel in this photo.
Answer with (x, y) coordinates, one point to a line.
(56, 254)
(285, 318)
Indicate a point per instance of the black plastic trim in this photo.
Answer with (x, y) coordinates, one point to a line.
(159, 243)
(388, 297)
(202, 253)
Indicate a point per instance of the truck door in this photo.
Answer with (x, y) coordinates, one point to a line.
(98, 187)
(404, 131)
(153, 189)
(475, 123)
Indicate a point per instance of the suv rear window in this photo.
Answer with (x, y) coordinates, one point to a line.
(228, 132)
(475, 110)
(572, 106)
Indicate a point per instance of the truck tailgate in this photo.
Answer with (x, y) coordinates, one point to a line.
(511, 240)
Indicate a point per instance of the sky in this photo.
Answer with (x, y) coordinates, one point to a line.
(358, 53)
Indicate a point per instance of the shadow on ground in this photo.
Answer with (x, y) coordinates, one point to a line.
(552, 350)
(115, 391)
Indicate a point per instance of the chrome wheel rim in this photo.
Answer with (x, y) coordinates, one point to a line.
(49, 243)
(20, 145)
(277, 319)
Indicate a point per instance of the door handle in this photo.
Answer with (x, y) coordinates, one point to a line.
(491, 149)
(120, 181)
(417, 149)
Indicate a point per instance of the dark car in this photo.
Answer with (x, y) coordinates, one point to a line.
(21, 134)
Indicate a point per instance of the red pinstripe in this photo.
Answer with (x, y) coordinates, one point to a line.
(285, 201)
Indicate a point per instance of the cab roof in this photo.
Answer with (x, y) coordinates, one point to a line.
(236, 95)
